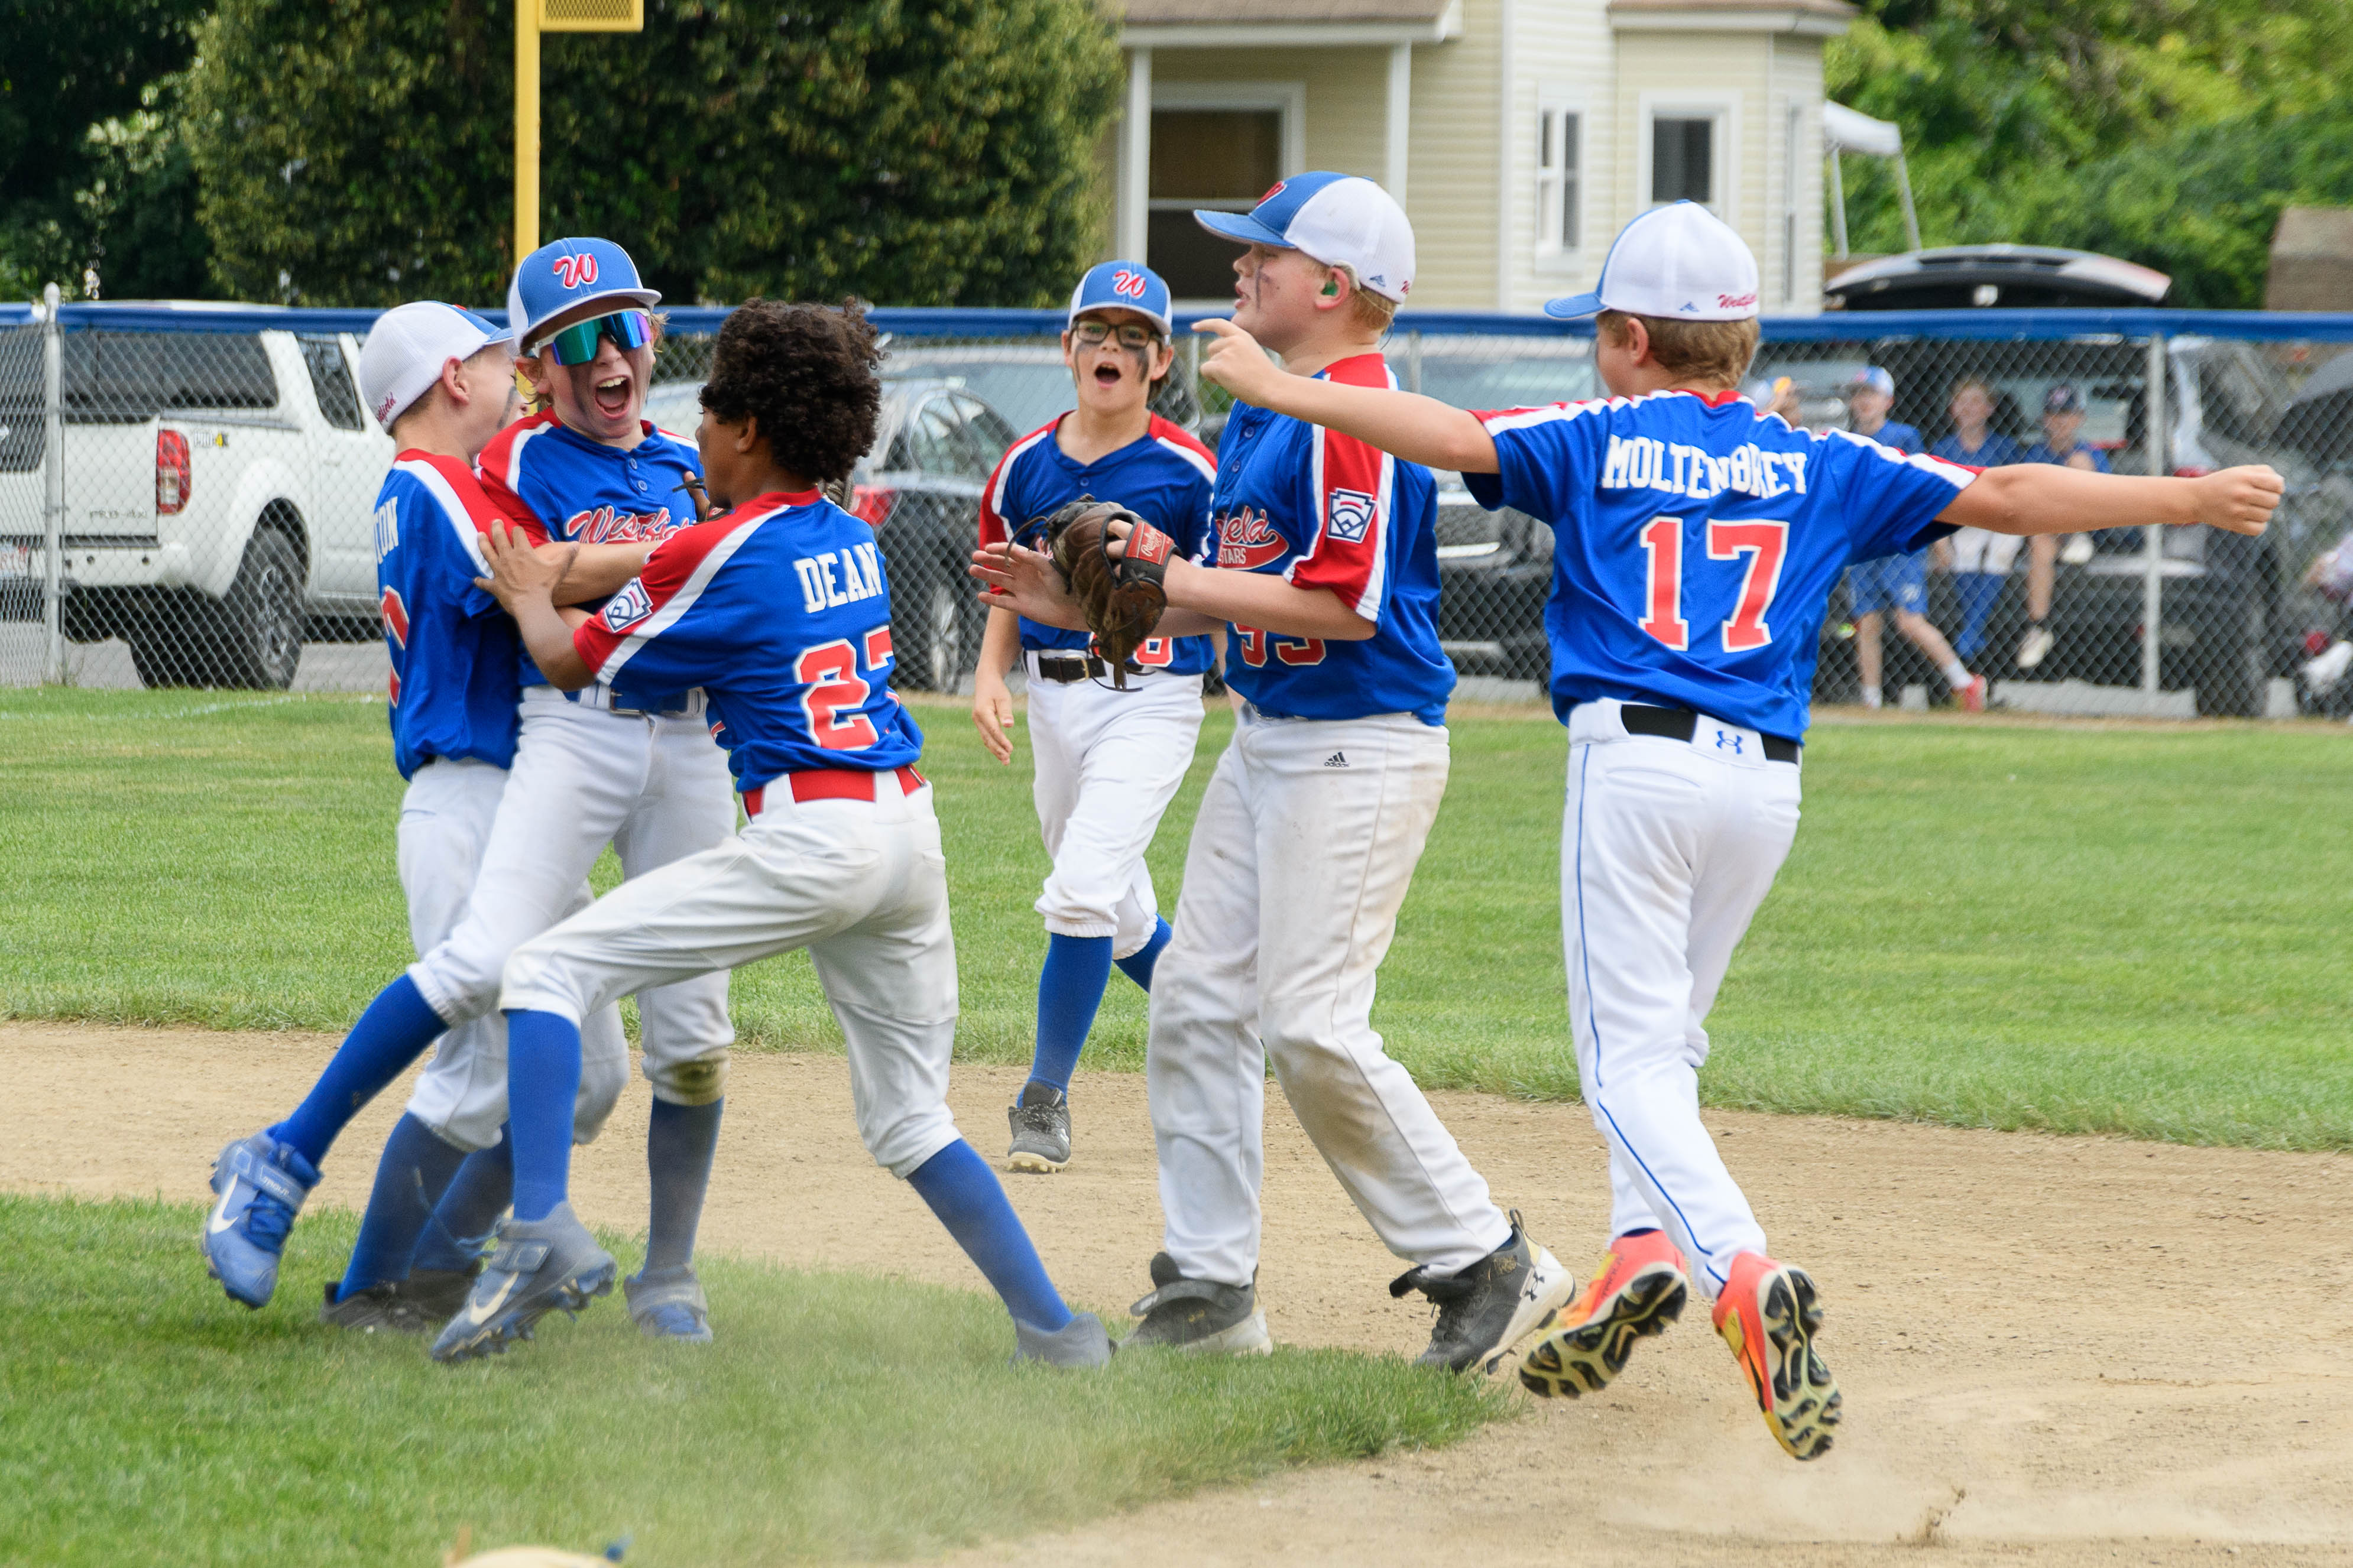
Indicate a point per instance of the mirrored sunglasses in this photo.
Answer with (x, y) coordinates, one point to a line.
(1131, 335)
(576, 344)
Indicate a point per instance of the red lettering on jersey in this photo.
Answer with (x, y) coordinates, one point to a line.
(1662, 585)
(1766, 543)
(396, 622)
(396, 689)
(607, 525)
(1247, 541)
(878, 647)
(1288, 650)
(830, 673)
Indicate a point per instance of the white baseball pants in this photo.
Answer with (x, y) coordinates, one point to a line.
(1667, 848)
(863, 885)
(1980, 550)
(1300, 859)
(445, 825)
(657, 790)
(1108, 763)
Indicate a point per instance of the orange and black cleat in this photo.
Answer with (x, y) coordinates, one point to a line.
(1637, 1291)
(1768, 1315)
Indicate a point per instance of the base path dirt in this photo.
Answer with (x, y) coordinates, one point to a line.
(2057, 1350)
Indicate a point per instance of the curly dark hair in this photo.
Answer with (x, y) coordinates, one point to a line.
(807, 374)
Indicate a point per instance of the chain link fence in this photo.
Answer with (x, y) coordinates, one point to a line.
(185, 494)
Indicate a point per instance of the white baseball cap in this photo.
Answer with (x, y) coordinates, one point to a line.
(408, 347)
(1679, 260)
(1341, 220)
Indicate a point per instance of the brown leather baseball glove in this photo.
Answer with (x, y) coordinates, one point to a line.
(1121, 596)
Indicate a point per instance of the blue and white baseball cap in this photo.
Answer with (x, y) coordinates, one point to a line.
(408, 347)
(565, 274)
(1679, 260)
(1341, 220)
(1122, 286)
(1872, 378)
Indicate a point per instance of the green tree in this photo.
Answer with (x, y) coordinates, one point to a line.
(912, 152)
(92, 174)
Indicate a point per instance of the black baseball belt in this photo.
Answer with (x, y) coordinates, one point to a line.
(1681, 724)
(1068, 669)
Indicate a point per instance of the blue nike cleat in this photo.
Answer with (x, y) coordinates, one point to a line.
(261, 1184)
(668, 1304)
(541, 1266)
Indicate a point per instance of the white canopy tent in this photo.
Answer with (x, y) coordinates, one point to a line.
(1845, 130)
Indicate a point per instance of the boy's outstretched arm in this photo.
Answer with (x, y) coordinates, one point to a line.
(523, 580)
(2041, 498)
(1405, 424)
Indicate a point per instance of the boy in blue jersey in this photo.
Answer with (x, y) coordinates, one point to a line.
(438, 379)
(778, 608)
(1696, 544)
(1109, 760)
(1307, 836)
(1896, 584)
(1981, 560)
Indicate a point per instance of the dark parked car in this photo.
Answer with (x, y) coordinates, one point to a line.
(2013, 276)
(920, 486)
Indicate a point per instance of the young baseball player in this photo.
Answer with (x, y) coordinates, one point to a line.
(1108, 761)
(1306, 838)
(779, 609)
(588, 771)
(1897, 585)
(440, 380)
(1696, 544)
(1981, 560)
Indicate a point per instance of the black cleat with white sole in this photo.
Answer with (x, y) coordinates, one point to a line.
(540, 1266)
(1483, 1310)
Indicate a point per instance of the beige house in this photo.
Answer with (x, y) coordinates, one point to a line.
(1520, 134)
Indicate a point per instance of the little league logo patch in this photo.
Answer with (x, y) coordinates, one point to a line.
(628, 608)
(1351, 515)
(1246, 540)
(1128, 285)
(572, 271)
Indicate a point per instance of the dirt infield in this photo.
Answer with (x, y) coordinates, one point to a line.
(2056, 1351)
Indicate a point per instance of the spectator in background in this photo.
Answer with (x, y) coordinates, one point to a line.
(2061, 443)
(1777, 396)
(1896, 584)
(1980, 560)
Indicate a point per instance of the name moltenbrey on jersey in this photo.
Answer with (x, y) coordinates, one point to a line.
(837, 577)
(1645, 462)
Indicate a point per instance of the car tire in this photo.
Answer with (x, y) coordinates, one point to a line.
(2233, 679)
(257, 640)
(938, 650)
(171, 643)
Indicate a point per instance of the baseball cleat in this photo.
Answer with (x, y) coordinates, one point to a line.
(1198, 1315)
(1483, 1310)
(668, 1304)
(427, 1299)
(1972, 694)
(1639, 1290)
(541, 1266)
(261, 1184)
(2034, 647)
(1083, 1341)
(1041, 1130)
(1768, 1315)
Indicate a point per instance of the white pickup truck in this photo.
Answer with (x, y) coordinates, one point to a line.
(218, 492)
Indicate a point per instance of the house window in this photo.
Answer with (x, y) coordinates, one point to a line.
(1683, 159)
(1560, 134)
(1207, 157)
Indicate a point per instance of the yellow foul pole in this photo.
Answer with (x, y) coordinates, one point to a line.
(526, 138)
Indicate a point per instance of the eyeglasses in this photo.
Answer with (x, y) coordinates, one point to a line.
(576, 344)
(1132, 334)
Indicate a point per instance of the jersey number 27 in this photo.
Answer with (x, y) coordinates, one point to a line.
(1764, 541)
(837, 691)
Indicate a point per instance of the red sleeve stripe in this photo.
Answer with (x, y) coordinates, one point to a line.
(464, 506)
(993, 527)
(676, 573)
(1959, 474)
(1177, 439)
(1496, 420)
(1354, 485)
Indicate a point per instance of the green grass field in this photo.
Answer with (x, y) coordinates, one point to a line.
(2132, 930)
(147, 1419)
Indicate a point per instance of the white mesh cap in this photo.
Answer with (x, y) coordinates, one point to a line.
(408, 347)
(1679, 260)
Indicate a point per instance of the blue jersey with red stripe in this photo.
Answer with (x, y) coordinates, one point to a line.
(780, 610)
(559, 485)
(1164, 476)
(454, 651)
(1324, 511)
(1696, 541)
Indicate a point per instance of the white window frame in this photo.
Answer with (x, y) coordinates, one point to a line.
(1723, 158)
(1288, 98)
(1793, 130)
(1562, 180)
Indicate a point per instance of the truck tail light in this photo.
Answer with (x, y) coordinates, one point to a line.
(172, 472)
(873, 502)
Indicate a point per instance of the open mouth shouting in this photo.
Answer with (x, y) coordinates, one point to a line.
(615, 393)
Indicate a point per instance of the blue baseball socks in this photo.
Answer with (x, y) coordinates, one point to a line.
(462, 1221)
(679, 1142)
(543, 1083)
(966, 1196)
(1070, 990)
(409, 1181)
(394, 1032)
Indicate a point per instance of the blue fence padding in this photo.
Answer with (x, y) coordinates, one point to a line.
(1836, 326)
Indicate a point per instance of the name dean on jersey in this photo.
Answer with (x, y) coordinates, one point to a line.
(837, 577)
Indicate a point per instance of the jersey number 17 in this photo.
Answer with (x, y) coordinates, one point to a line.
(1765, 542)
